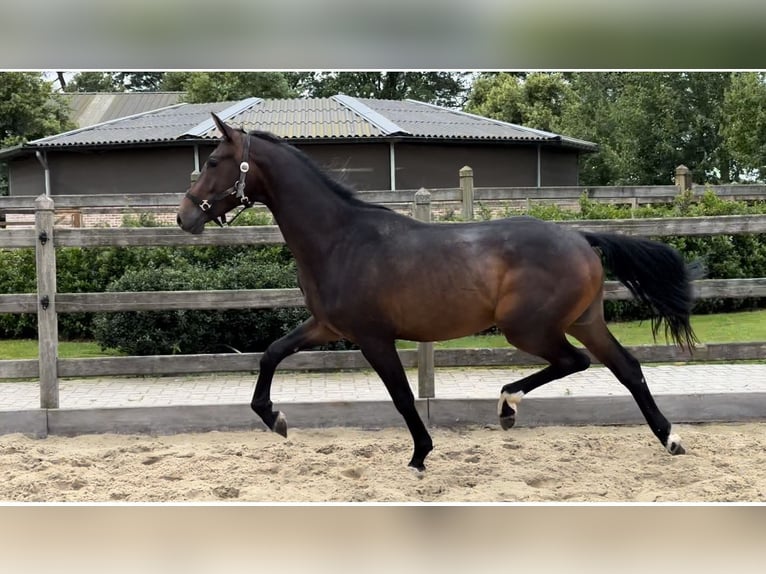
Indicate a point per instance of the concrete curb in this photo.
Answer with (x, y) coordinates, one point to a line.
(30, 422)
(205, 418)
(617, 410)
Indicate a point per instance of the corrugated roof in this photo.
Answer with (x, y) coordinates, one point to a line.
(167, 124)
(430, 121)
(346, 117)
(309, 118)
(90, 108)
(339, 117)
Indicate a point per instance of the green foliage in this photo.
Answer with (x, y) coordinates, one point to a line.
(115, 82)
(141, 220)
(745, 129)
(29, 109)
(17, 275)
(94, 82)
(645, 123)
(441, 88)
(483, 212)
(534, 100)
(140, 81)
(202, 87)
(191, 331)
(255, 217)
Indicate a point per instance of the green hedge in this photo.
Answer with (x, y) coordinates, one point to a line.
(92, 270)
(193, 331)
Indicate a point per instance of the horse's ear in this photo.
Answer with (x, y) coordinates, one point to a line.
(222, 127)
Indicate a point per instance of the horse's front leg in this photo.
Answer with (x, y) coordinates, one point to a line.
(382, 356)
(309, 334)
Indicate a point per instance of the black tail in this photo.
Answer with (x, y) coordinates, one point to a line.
(656, 275)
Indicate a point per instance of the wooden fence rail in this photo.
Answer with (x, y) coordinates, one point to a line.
(48, 303)
(350, 360)
(656, 194)
(270, 234)
(271, 298)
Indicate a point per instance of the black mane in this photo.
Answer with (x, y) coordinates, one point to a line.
(338, 188)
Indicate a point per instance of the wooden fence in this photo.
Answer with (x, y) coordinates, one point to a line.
(48, 303)
(466, 197)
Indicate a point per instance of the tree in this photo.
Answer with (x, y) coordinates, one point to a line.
(202, 87)
(535, 100)
(649, 129)
(498, 96)
(115, 82)
(29, 109)
(94, 82)
(744, 124)
(646, 124)
(590, 116)
(140, 81)
(440, 88)
(706, 144)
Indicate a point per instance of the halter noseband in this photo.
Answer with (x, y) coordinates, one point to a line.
(237, 189)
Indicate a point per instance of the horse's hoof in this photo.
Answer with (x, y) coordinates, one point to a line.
(507, 422)
(280, 425)
(418, 471)
(676, 448)
(506, 408)
(673, 444)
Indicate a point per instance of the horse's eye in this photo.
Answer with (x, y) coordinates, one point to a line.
(212, 162)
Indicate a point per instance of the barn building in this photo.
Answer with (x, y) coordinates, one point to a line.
(368, 144)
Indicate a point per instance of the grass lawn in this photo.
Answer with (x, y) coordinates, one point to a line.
(722, 328)
(27, 349)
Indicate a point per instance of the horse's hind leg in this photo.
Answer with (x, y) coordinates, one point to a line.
(564, 360)
(382, 356)
(308, 334)
(596, 336)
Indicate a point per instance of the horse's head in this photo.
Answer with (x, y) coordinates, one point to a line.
(221, 185)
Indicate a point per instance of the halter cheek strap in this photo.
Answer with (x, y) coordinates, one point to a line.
(244, 167)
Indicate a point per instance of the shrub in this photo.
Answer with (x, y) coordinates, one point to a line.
(199, 331)
(17, 275)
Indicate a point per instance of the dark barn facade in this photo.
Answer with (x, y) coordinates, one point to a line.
(368, 144)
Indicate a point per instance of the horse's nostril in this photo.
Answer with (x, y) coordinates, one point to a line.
(178, 220)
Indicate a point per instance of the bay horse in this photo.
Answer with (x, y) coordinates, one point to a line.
(372, 276)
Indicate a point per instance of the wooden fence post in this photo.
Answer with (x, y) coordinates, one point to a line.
(466, 186)
(422, 212)
(683, 178)
(47, 320)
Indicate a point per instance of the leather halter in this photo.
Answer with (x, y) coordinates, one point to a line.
(237, 189)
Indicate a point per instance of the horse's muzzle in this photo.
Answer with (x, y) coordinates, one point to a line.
(194, 224)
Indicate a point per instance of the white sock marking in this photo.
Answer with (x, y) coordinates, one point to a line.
(673, 440)
(512, 399)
